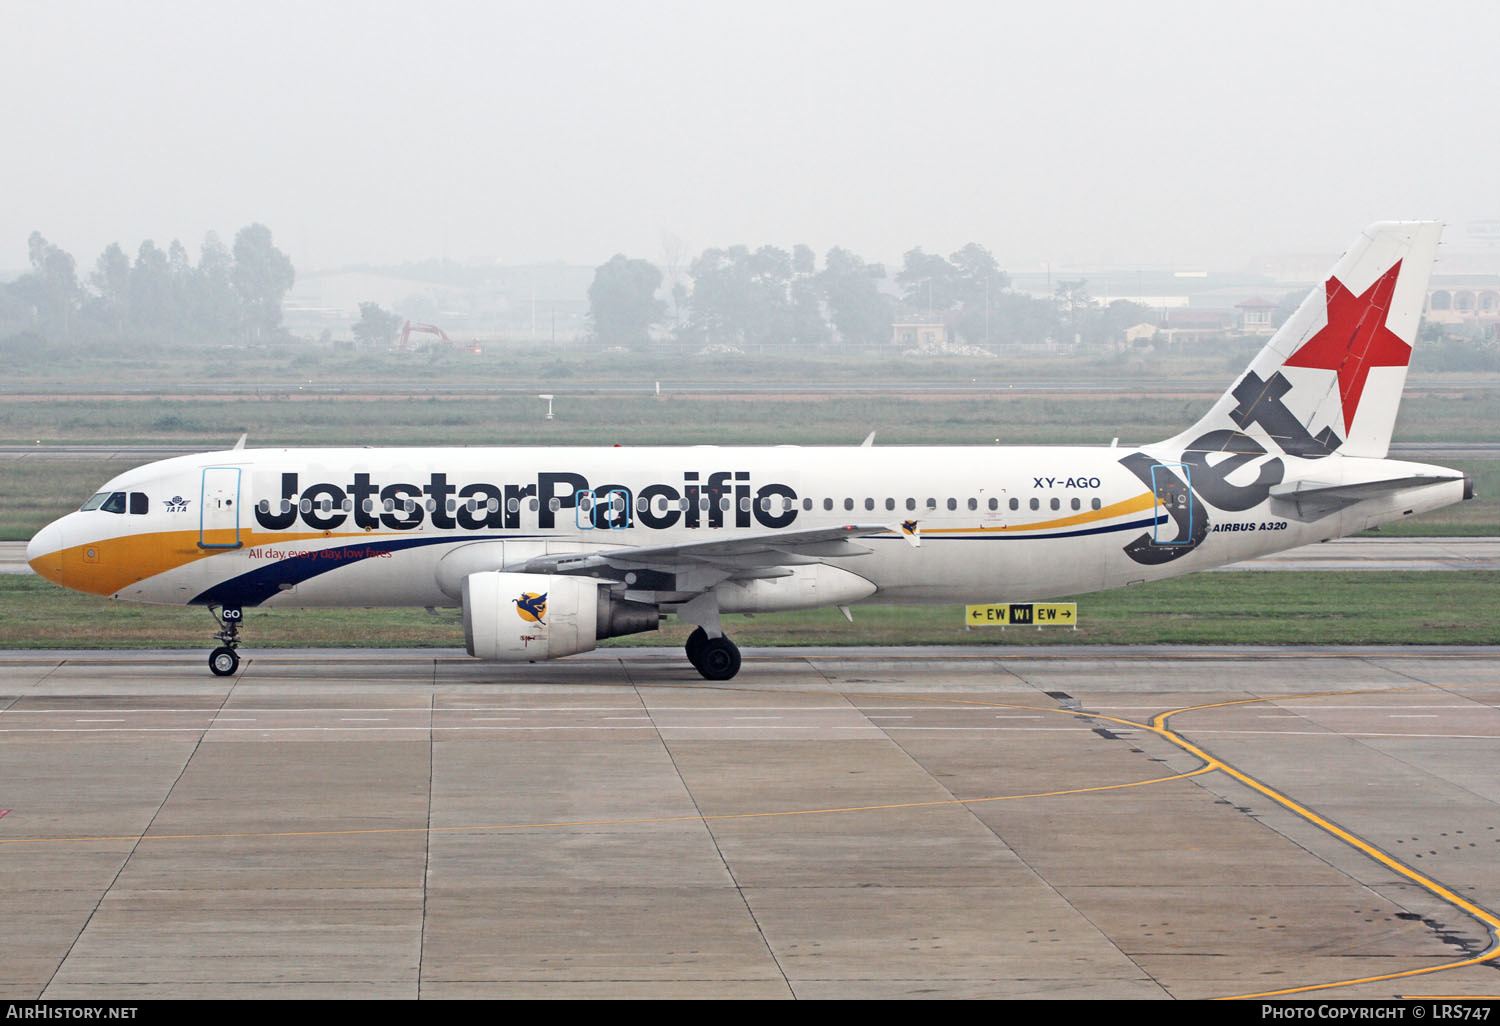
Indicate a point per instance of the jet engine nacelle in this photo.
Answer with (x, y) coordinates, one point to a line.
(521, 618)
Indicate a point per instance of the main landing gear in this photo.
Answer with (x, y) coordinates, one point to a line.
(715, 658)
(224, 660)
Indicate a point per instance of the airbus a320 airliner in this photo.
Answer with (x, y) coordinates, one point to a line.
(548, 550)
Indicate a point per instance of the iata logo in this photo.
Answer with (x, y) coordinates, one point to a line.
(531, 607)
(177, 504)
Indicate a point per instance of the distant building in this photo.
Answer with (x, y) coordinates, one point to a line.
(1474, 300)
(1255, 316)
(929, 334)
(1195, 325)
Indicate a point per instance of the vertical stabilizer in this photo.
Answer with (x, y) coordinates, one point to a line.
(1330, 379)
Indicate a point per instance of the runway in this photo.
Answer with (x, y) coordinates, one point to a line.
(1075, 822)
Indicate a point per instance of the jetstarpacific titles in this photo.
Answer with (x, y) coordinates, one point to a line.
(722, 498)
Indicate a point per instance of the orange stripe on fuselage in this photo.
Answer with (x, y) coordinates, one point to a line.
(105, 566)
(1138, 504)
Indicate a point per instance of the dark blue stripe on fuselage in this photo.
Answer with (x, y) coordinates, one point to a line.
(1017, 536)
(254, 587)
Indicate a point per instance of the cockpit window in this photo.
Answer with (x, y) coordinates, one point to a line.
(95, 501)
(115, 503)
(139, 504)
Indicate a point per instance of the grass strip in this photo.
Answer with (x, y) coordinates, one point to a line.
(1319, 608)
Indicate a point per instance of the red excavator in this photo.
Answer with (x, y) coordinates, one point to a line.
(431, 329)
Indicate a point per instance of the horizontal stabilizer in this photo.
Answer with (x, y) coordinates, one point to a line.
(1309, 500)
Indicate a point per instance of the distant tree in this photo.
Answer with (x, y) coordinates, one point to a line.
(622, 301)
(15, 314)
(152, 306)
(184, 281)
(929, 284)
(1019, 319)
(808, 326)
(769, 318)
(767, 297)
(977, 267)
(214, 310)
(50, 288)
(722, 298)
(1110, 323)
(1073, 307)
(110, 281)
(674, 254)
(262, 276)
(861, 314)
(376, 327)
(980, 285)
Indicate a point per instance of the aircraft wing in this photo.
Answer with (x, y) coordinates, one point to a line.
(741, 556)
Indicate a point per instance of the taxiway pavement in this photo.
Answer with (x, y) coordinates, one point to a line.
(832, 823)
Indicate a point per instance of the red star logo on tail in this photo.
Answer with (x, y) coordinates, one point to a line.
(1355, 339)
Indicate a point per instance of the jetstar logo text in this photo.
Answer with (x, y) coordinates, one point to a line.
(1210, 459)
(563, 499)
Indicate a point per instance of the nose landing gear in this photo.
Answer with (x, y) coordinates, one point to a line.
(224, 660)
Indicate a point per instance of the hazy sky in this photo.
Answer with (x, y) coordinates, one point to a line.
(1110, 132)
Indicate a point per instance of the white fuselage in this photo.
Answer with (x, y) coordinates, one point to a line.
(374, 526)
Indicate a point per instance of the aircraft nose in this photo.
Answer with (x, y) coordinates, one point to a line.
(44, 553)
